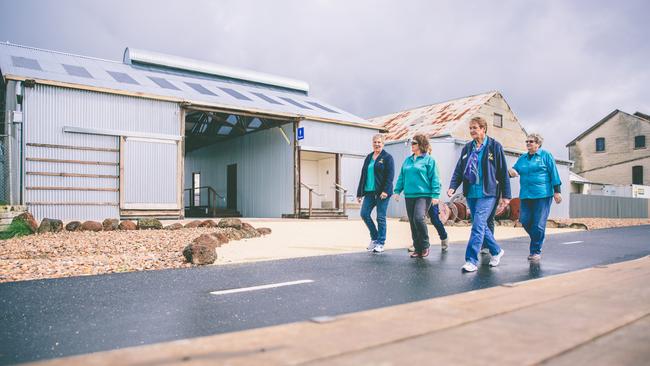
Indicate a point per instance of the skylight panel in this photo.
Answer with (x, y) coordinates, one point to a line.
(200, 88)
(27, 63)
(255, 123)
(122, 77)
(79, 71)
(235, 94)
(294, 103)
(266, 98)
(318, 105)
(163, 83)
(224, 130)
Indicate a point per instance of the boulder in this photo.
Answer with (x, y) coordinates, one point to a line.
(110, 224)
(202, 250)
(193, 224)
(127, 225)
(149, 223)
(28, 220)
(50, 226)
(263, 230)
(200, 254)
(579, 225)
(230, 222)
(174, 226)
(223, 238)
(73, 226)
(208, 223)
(235, 235)
(249, 231)
(404, 219)
(518, 224)
(507, 223)
(91, 226)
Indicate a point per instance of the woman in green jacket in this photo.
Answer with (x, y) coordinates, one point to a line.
(420, 181)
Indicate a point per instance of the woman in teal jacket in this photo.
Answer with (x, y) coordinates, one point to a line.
(420, 181)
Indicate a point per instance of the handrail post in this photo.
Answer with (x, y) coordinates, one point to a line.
(344, 200)
(310, 193)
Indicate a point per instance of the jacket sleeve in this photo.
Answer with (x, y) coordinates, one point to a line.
(390, 175)
(502, 172)
(434, 179)
(457, 177)
(399, 186)
(362, 179)
(552, 168)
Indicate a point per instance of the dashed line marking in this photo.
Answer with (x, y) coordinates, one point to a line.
(261, 287)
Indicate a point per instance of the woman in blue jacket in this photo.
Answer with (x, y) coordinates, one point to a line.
(483, 172)
(420, 182)
(539, 184)
(375, 188)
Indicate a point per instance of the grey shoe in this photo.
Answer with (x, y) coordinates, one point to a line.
(371, 246)
(444, 244)
(535, 257)
(411, 249)
(379, 248)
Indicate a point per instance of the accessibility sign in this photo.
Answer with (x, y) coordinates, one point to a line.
(301, 133)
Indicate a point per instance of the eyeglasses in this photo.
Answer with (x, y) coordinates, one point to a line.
(414, 143)
(530, 141)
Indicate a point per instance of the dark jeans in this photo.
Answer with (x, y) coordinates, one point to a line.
(416, 209)
(370, 201)
(533, 216)
(434, 214)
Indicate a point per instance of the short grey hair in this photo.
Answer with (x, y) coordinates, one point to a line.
(537, 137)
(379, 136)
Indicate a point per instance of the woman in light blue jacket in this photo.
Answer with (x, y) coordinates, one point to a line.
(420, 181)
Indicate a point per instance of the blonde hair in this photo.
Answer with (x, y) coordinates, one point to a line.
(482, 123)
(379, 136)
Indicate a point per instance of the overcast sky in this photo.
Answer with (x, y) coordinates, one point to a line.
(561, 65)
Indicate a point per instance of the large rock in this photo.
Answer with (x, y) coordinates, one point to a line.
(235, 235)
(50, 226)
(208, 223)
(127, 225)
(73, 226)
(579, 225)
(28, 220)
(222, 237)
(202, 250)
(249, 231)
(263, 230)
(149, 223)
(230, 222)
(91, 226)
(174, 226)
(110, 224)
(193, 224)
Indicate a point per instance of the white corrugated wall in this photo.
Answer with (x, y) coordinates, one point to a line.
(47, 110)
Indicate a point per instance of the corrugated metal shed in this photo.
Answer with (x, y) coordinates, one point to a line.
(62, 69)
(432, 120)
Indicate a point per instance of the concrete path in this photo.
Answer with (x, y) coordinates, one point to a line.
(596, 316)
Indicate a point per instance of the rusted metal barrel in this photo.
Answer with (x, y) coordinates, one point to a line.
(515, 207)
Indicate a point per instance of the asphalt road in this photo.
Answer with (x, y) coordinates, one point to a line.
(53, 318)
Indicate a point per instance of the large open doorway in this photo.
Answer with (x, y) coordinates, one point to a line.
(320, 189)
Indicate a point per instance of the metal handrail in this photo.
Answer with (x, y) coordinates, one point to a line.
(340, 188)
(311, 192)
(212, 197)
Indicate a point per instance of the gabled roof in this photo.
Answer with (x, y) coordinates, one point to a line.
(432, 120)
(605, 119)
(172, 84)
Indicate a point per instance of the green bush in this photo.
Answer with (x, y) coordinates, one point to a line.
(16, 228)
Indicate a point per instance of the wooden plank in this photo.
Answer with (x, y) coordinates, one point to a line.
(70, 147)
(71, 204)
(75, 175)
(149, 213)
(122, 145)
(180, 173)
(72, 189)
(86, 162)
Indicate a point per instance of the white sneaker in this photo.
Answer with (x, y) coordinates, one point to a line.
(469, 267)
(444, 244)
(379, 248)
(494, 261)
(371, 246)
(485, 251)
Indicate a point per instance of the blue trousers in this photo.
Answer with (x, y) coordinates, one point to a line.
(370, 201)
(481, 209)
(434, 214)
(533, 216)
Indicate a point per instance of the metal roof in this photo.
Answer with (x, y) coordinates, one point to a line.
(432, 120)
(190, 86)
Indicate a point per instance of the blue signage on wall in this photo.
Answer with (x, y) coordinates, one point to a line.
(301, 133)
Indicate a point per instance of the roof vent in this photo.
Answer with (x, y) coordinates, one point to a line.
(135, 56)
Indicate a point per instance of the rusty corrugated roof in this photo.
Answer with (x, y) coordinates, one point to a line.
(431, 120)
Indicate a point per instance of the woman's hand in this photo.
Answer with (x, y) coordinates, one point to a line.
(557, 197)
(450, 192)
(383, 195)
(359, 199)
(513, 173)
(396, 197)
(434, 201)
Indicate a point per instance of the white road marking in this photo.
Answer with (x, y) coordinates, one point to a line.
(261, 287)
(573, 242)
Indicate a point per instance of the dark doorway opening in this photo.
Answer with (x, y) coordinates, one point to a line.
(231, 187)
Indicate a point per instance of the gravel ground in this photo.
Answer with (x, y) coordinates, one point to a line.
(598, 223)
(65, 254)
